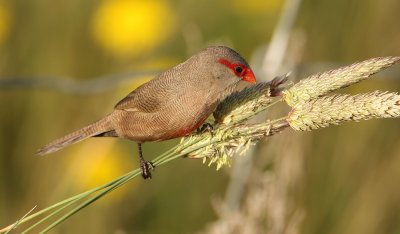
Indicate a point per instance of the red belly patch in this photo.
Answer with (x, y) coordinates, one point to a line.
(186, 131)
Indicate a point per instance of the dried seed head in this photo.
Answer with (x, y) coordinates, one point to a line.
(324, 111)
(276, 84)
(241, 105)
(226, 142)
(323, 83)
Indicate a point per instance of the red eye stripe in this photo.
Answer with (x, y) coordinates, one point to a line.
(240, 70)
(233, 66)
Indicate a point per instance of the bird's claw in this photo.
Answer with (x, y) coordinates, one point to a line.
(146, 167)
(206, 127)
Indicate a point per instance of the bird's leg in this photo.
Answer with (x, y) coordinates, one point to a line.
(145, 166)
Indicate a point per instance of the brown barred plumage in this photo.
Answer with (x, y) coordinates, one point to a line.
(173, 104)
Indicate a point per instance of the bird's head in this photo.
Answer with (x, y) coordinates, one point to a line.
(227, 65)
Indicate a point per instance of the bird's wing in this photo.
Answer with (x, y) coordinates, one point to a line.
(136, 102)
(158, 92)
(149, 97)
(128, 103)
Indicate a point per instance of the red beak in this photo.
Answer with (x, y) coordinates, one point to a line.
(249, 76)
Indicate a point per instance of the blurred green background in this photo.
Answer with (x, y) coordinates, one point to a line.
(342, 179)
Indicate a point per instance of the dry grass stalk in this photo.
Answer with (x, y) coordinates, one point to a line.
(244, 104)
(239, 105)
(226, 142)
(326, 82)
(328, 110)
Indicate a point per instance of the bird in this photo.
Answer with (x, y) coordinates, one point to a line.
(173, 104)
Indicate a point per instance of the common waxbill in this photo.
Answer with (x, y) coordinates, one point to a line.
(171, 105)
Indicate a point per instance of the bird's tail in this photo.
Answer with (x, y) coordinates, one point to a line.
(98, 128)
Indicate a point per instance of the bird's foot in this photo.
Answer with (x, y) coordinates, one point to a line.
(206, 127)
(146, 167)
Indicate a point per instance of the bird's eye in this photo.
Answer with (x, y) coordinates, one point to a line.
(238, 69)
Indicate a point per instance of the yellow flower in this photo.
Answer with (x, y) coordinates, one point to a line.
(4, 21)
(132, 27)
(97, 161)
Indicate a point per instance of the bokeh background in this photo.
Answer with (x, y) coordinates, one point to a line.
(64, 64)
